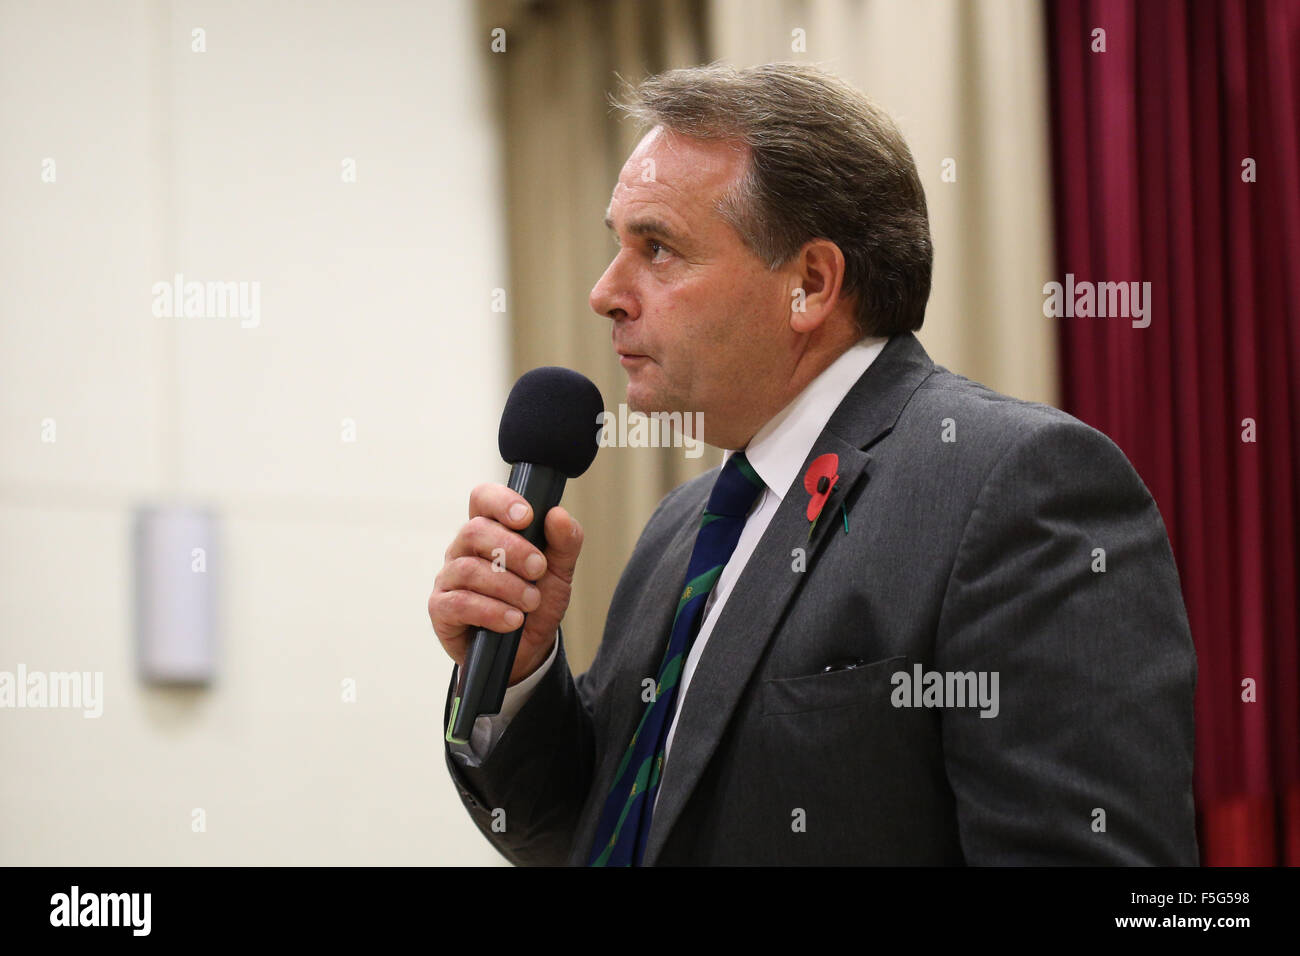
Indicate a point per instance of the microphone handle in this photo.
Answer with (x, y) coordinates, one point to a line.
(482, 683)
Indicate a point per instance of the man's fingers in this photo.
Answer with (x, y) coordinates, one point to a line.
(476, 574)
(499, 502)
(457, 610)
(484, 537)
(491, 577)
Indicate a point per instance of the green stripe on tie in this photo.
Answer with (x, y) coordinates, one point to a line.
(747, 470)
(638, 786)
(700, 584)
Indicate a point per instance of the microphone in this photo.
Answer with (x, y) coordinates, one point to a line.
(550, 432)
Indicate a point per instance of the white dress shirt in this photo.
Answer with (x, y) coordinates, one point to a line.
(776, 452)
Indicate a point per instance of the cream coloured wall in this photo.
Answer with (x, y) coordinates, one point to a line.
(374, 306)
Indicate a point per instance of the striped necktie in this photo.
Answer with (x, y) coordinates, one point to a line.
(625, 821)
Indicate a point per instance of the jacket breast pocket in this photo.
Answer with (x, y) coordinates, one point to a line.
(866, 683)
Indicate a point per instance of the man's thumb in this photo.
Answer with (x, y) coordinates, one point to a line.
(563, 542)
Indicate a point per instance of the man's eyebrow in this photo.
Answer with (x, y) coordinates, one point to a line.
(647, 226)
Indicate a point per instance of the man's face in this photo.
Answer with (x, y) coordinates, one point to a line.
(699, 320)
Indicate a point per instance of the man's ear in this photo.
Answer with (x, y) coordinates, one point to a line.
(819, 272)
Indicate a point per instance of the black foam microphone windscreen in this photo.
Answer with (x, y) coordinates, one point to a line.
(552, 418)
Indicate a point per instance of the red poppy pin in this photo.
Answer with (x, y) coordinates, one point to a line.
(818, 482)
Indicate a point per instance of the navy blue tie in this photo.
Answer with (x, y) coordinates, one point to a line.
(625, 821)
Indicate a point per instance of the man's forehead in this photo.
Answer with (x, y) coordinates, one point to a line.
(665, 156)
(667, 171)
(654, 194)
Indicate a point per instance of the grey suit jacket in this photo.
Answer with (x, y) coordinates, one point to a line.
(978, 529)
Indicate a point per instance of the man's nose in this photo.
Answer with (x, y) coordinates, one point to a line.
(610, 296)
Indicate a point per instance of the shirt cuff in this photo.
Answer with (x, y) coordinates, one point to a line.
(517, 696)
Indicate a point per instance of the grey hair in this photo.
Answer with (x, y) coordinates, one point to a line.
(825, 163)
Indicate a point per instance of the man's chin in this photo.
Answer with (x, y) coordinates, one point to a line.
(643, 397)
(638, 400)
(647, 404)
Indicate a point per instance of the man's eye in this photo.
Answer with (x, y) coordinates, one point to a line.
(656, 246)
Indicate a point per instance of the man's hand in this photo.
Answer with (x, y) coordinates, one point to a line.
(479, 588)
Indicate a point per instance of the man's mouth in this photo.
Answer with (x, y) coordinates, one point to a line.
(627, 359)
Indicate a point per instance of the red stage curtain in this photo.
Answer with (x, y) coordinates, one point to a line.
(1149, 141)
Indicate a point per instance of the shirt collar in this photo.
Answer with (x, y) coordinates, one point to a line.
(778, 449)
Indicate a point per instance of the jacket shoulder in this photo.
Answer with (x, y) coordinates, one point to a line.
(947, 389)
(960, 433)
(996, 422)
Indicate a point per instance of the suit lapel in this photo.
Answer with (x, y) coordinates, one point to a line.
(769, 582)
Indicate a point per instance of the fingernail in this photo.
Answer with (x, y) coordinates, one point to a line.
(532, 596)
(514, 617)
(535, 565)
(517, 511)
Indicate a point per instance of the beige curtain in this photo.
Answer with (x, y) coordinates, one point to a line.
(967, 82)
(564, 148)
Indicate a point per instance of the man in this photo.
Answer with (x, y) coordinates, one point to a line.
(909, 621)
